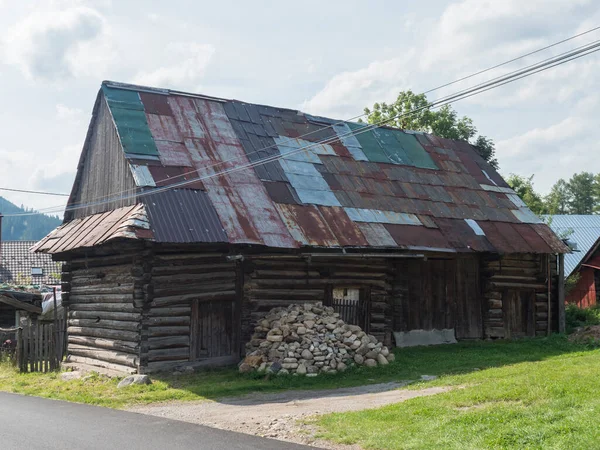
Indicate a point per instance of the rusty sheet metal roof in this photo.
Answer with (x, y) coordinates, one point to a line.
(130, 222)
(381, 188)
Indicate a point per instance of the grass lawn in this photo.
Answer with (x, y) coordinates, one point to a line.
(549, 399)
(410, 364)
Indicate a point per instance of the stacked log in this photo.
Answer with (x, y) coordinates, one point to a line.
(179, 282)
(103, 322)
(521, 272)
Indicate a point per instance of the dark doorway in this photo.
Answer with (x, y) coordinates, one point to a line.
(212, 330)
(519, 313)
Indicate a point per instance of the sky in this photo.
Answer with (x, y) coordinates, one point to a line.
(329, 58)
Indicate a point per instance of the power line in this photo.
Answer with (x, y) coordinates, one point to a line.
(33, 192)
(482, 87)
(127, 191)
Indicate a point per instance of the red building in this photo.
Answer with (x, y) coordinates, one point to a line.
(584, 233)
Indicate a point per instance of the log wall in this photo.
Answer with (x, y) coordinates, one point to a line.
(516, 290)
(187, 292)
(282, 280)
(437, 294)
(104, 316)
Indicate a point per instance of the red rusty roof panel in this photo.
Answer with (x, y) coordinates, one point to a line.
(346, 231)
(412, 236)
(462, 237)
(307, 226)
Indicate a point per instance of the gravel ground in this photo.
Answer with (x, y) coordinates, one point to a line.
(279, 415)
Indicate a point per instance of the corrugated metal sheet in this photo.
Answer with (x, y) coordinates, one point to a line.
(381, 188)
(183, 215)
(584, 230)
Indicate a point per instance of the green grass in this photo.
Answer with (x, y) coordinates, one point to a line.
(544, 401)
(410, 365)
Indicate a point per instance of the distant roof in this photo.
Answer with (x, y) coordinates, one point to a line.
(581, 229)
(17, 264)
(383, 188)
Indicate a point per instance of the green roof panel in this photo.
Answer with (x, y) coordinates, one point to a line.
(415, 151)
(391, 146)
(128, 113)
(370, 146)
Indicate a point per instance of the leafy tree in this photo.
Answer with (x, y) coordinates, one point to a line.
(524, 188)
(444, 122)
(582, 190)
(557, 201)
(597, 193)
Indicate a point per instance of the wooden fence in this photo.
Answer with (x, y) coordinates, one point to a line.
(37, 346)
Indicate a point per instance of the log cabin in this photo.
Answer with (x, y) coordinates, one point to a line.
(192, 216)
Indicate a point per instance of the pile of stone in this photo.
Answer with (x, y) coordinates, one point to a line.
(310, 339)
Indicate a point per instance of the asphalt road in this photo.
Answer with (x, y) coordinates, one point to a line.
(35, 423)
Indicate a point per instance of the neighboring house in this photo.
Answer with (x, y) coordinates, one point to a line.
(407, 231)
(20, 266)
(584, 232)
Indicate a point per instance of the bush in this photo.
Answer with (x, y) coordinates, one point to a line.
(576, 317)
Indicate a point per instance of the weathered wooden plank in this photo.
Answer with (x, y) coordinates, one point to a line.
(169, 320)
(168, 331)
(101, 363)
(177, 299)
(105, 315)
(170, 311)
(168, 354)
(109, 344)
(110, 324)
(117, 307)
(104, 333)
(159, 271)
(168, 342)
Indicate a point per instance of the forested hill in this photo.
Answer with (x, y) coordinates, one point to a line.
(25, 228)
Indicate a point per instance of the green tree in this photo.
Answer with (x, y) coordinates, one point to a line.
(582, 189)
(444, 122)
(557, 201)
(524, 188)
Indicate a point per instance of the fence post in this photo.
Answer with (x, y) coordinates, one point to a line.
(19, 356)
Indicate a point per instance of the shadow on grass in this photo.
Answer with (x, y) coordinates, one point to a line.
(224, 385)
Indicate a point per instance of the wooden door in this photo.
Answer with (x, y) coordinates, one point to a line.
(468, 317)
(519, 313)
(213, 330)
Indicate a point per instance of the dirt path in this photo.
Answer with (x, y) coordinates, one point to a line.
(277, 415)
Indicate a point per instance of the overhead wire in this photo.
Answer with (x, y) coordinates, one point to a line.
(131, 190)
(469, 92)
(33, 192)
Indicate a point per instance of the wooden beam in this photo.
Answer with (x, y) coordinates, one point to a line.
(20, 305)
(561, 293)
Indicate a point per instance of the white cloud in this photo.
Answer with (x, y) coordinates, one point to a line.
(475, 31)
(58, 42)
(187, 62)
(553, 152)
(58, 174)
(347, 93)
(70, 115)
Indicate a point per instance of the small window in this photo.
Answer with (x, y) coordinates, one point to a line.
(346, 293)
(37, 271)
